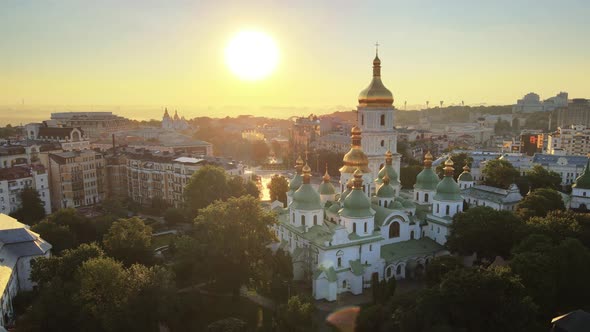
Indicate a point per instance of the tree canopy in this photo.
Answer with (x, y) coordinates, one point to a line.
(129, 240)
(499, 173)
(278, 187)
(487, 232)
(31, 209)
(460, 159)
(539, 202)
(540, 177)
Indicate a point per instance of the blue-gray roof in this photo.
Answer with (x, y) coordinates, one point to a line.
(9, 236)
(547, 159)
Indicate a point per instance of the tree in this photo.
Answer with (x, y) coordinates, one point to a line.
(460, 159)
(555, 274)
(230, 324)
(59, 236)
(371, 318)
(278, 187)
(240, 187)
(31, 209)
(129, 240)
(408, 175)
(174, 216)
(539, 202)
(499, 173)
(540, 177)
(487, 232)
(78, 224)
(114, 207)
(471, 299)
(205, 186)
(296, 315)
(235, 235)
(502, 127)
(260, 151)
(439, 267)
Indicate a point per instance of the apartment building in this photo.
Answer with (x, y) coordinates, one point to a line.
(14, 179)
(570, 140)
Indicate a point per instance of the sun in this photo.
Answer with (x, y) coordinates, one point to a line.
(252, 55)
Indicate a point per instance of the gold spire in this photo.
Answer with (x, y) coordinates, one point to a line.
(386, 179)
(449, 170)
(355, 158)
(388, 157)
(358, 179)
(326, 177)
(428, 160)
(299, 164)
(466, 168)
(376, 94)
(349, 184)
(306, 174)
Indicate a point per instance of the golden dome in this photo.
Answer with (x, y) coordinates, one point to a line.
(376, 94)
(326, 177)
(449, 167)
(306, 174)
(466, 168)
(428, 160)
(355, 158)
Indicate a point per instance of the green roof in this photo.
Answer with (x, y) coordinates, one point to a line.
(326, 188)
(330, 273)
(306, 198)
(391, 173)
(357, 205)
(357, 267)
(344, 194)
(465, 176)
(296, 182)
(426, 179)
(334, 208)
(408, 249)
(397, 205)
(448, 190)
(386, 191)
(583, 181)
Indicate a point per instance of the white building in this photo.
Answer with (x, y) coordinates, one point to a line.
(531, 103)
(14, 179)
(18, 246)
(572, 140)
(580, 197)
(174, 123)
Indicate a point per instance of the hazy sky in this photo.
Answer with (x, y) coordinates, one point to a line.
(166, 52)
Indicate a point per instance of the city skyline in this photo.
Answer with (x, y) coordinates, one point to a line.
(155, 54)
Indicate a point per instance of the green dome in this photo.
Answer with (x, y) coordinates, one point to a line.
(583, 181)
(296, 182)
(306, 198)
(465, 176)
(344, 194)
(408, 204)
(396, 206)
(326, 188)
(426, 180)
(334, 208)
(390, 172)
(386, 191)
(356, 205)
(448, 190)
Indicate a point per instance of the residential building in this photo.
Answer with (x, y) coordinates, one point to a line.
(570, 140)
(576, 112)
(77, 178)
(14, 179)
(18, 247)
(69, 138)
(332, 142)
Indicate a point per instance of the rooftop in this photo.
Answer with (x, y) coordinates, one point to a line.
(411, 248)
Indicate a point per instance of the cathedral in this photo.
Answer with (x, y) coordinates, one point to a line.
(341, 238)
(174, 123)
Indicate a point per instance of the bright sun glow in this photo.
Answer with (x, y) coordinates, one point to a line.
(251, 55)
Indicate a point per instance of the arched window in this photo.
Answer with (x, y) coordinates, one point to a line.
(362, 119)
(354, 227)
(293, 217)
(315, 220)
(398, 270)
(339, 254)
(447, 210)
(394, 229)
(339, 261)
(303, 220)
(437, 208)
(411, 235)
(383, 120)
(417, 196)
(382, 142)
(343, 283)
(384, 203)
(366, 227)
(388, 272)
(425, 197)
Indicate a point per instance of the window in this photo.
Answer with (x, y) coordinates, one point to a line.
(398, 270)
(438, 229)
(382, 142)
(354, 227)
(362, 120)
(447, 210)
(293, 217)
(315, 220)
(303, 220)
(394, 229)
(370, 247)
(339, 261)
(411, 235)
(366, 226)
(384, 204)
(437, 208)
(417, 196)
(343, 283)
(426, 198)
(382, 120)
(584, 193)
(388, 272)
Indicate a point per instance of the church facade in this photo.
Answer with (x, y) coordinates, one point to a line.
(371, 228)
(174, 122)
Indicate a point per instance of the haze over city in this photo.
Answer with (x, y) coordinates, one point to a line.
(136, 57)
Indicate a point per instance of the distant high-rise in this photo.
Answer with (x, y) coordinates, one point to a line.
(577, 112)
